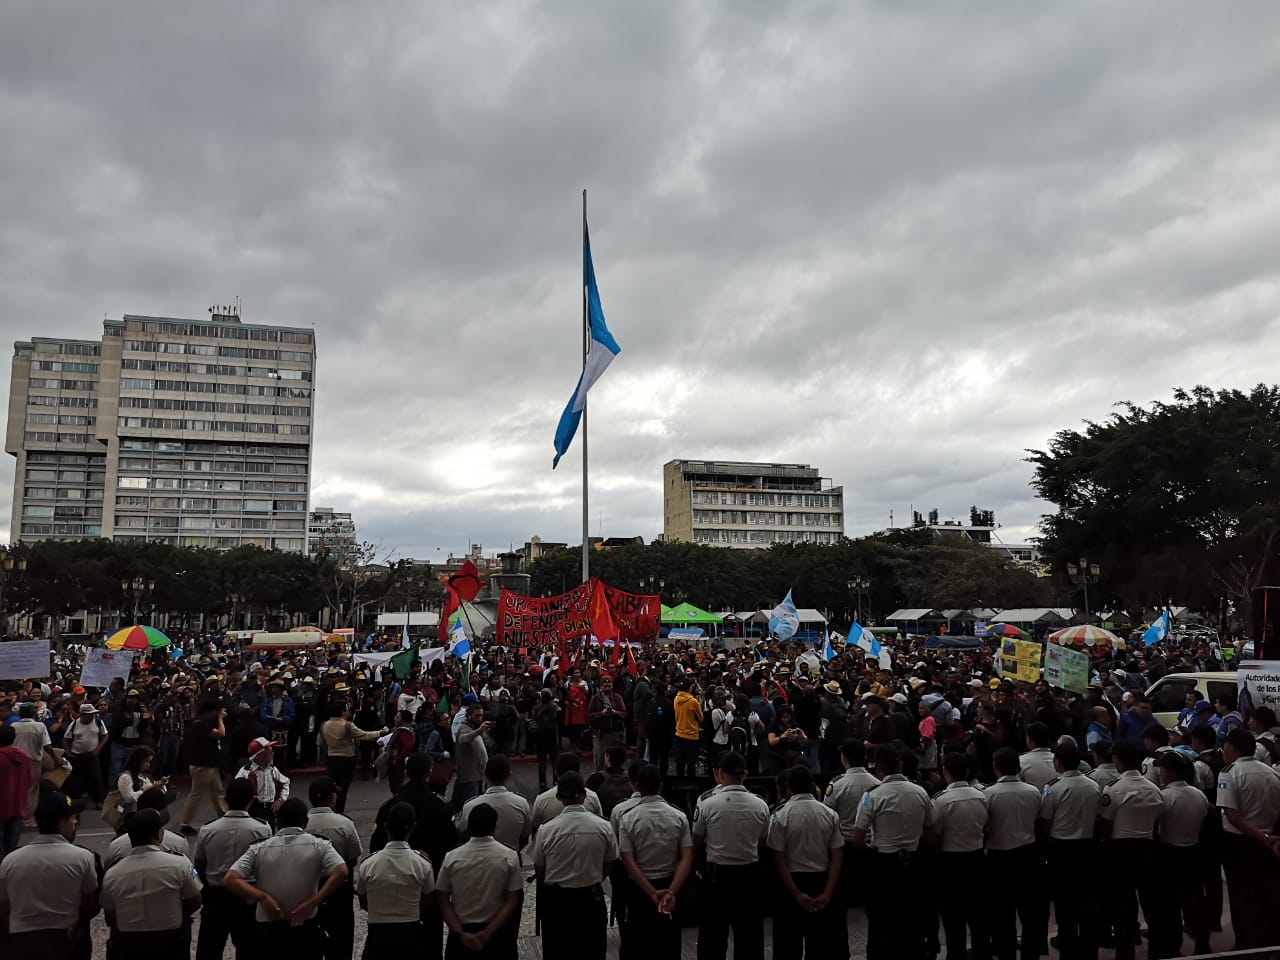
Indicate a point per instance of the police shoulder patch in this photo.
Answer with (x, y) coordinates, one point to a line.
(830, 787)
(866, 799)
(1106, 799)
(697, 812)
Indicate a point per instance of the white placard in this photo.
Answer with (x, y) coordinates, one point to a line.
(24, 660)
(102, 666)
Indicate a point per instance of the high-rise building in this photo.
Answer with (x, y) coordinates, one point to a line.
(329, 529)
(747, 505)
(188, 432)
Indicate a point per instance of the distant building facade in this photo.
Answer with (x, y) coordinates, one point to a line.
(749, 505)
(329, 529)
(981, 528)
(188, 432)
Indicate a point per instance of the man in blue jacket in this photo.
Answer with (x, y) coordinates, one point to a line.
(276, 714)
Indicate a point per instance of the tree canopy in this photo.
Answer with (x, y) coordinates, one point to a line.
(1174, 499)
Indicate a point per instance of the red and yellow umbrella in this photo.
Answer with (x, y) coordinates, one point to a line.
(137, 638)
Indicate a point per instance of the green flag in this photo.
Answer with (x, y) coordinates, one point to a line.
(403, 661)
(442, 705)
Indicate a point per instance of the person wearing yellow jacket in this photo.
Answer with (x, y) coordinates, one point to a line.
(688, 729)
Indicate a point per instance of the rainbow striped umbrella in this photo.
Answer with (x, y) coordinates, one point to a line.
(137, 638)
(1007, 630)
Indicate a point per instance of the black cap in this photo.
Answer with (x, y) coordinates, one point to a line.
(56, 806)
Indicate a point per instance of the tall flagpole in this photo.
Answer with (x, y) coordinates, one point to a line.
(582, 288)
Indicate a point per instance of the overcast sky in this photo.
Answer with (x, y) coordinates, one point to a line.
(900, 242)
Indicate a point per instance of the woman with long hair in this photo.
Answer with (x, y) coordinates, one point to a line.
(135, 780)
(340, 736)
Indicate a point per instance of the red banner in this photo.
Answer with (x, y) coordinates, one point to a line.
(547, 621)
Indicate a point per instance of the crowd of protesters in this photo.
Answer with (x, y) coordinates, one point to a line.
(776, 717)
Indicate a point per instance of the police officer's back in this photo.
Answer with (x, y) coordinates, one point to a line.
(395, 886)
(515, 819)
(732, 823)
(1130, 808)
(1249, 797)
(337, 914)
(1014, 864)
(479, 888)
(1068, 817)
(1185, 812)
(49, 887)
(148, 895)
(218, 846)
(958, 819)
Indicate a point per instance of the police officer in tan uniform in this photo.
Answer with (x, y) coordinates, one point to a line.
(657, 850)
(149, 895)
(958, 820)
(396, 886)
(808, 847)
(478, 890)
(732, 823)
(336, 915)
(1068, 813)
(515, 820)
(1249, 797)
(220, 844)
(572, 855)
(844, 794)
(1185, 811)
(1015, 864)
(1129, 809)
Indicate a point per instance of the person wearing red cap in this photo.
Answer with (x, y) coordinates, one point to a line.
(270, 786)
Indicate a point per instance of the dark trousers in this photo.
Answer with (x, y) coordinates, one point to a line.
(1178, 902)
(660, 755)
(1080, 921)
(728, 898)
(337, 918)
(815, 936)
(1020, 875)
(686, 757)
(499, 948)
(962, 908)
(153, 943)
(86, 771)
(343, 771)
(1253, 879)
(44, 945)
(1209, 873)
(574, 923)
(1130, 887)
(280, 941)
(223, 915)
(855, 875)
(890, 935)
(393, 940)
(645, 933)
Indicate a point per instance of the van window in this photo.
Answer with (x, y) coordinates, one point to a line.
(1226, 688)
(1170, 696)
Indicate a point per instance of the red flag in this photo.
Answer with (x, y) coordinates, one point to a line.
(602, 624)
(631, 659)
(466, 582)
(451, 604)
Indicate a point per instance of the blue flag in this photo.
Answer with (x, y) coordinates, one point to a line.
(784, 621)
(1158, 630)
(459, 645)
(603, 348)
(828, 651)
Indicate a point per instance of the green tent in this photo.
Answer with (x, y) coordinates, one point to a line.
(688, 613)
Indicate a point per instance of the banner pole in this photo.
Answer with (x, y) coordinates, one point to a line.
(582, 289)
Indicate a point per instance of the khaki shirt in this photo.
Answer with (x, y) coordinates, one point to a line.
(43, 883)
(1252, 788)
(1104, 774)
(478, 875)
(395, 881)
(959, 816)
(146, 889)
(574, 848)
(1012, 809)
(514, 816)
(547, 806)
(734, 822)
(120, 847)
(1070, 804)
(894, 814)
(289, 866)
(222, 842)
(620, 809)
(655, 833)
(1037, 767)
(338, 830)
(1132, 805)
(844, 793)
(1183, 815)
(806, 831)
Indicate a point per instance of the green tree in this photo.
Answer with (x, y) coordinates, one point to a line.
(1175, 500)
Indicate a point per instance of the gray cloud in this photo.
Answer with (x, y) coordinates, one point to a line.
(902, 242)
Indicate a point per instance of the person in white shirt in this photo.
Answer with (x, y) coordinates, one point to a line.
(270, 786)
(395, 885)
(32, 738)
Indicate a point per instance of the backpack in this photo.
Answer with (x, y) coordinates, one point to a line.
(613, 789)
(740, 740)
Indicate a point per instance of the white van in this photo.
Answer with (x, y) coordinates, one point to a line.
(1168, 695)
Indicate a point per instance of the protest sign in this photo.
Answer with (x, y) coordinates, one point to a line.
(546, 621)
(1258, 685)
(24, 660)
(1020, 660)
(1066, 668)
(102, 666)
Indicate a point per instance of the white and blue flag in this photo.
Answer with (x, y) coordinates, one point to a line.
(861, 637)
(828, 651)
(404, 634)
(459, 645)
(784, 620)
(603, 348)
(1158, 630)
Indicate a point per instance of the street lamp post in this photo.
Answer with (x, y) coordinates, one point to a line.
(858, 586)
(134, 591)
(1084, 573)
(649, 583)
(11, 571)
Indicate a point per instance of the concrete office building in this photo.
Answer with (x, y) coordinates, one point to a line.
(188, 432)
(332, 529)
(749, 505)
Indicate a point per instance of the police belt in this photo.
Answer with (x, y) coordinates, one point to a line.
(593, 889)
(905, 856)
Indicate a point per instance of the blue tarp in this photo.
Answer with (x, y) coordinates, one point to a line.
(952, 643)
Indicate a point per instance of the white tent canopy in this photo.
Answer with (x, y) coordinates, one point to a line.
(415, 618)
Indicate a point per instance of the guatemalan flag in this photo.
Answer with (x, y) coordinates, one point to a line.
(860, 636)
(459, 645)
(603, 348)
(1158, 630)
(784, 620)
